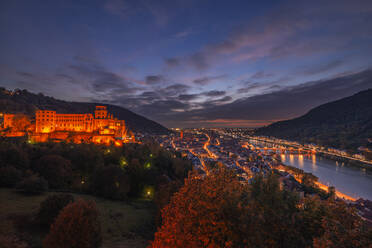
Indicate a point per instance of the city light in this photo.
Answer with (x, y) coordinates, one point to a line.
(148, 192)
(123, 162)
(148, 165)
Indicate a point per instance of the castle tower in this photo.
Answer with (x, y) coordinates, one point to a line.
(100, 112)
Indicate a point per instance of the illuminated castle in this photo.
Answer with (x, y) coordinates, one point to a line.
(102, 128)
(48, 121)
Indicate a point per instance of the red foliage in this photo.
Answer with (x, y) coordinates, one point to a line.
(343, 228)
(77, 226)
(203, 213)
(219, 211)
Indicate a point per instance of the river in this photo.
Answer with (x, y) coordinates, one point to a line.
(355, 182)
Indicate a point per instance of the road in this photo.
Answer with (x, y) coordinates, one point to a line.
(206, 144)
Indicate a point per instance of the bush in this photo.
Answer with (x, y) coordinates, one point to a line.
(77, 226)
(33, 185)
(9, 176)
(11, 154)
(56, 169)
(51, 206)
(11, 241)
(110, 182)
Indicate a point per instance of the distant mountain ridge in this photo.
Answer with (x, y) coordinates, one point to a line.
(343, 124)
(22, 101)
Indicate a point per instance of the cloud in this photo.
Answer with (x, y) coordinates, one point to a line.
(172, 62)
(208, 79)
(160, 11)
(261, 75)
(294, 101)
(117, 7)
(25, 74)
(198, 60)
(253, 88)
(323, 68)
(154, 79)
(183, 34)
(214, 93)
(103, 83)
(174, 89)
(250, 87)
(288, 102)
(188, 97)
(292, 29)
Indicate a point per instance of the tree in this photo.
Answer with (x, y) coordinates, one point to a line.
(219, 211)
(56, 170)
(163, 195)
(33, 185)
(77, 226)
(343, 228)
(332, 192)
(12, 154)
(111, 182)
(9, 176)
(51, 206)
(204, 213)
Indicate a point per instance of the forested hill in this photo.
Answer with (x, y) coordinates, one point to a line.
(22, 101)
(344, 124)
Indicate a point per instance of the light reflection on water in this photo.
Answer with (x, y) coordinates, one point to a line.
(313, 162)
(356, 182)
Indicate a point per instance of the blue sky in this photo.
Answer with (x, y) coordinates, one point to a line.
(188, 63)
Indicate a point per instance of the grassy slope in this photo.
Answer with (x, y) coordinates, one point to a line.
(120, 221)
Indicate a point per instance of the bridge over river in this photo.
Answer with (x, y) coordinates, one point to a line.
(353, 181)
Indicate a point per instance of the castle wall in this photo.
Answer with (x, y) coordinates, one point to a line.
(48, 121)
(8, 120)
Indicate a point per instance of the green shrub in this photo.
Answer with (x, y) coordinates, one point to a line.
(9, 176)
(33, 185)
(50, 208)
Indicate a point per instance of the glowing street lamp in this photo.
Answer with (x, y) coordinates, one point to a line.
(123, 162)
(148, 165)
(148, 192)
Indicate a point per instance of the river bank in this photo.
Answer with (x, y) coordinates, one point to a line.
(348, 179)
(348, 162)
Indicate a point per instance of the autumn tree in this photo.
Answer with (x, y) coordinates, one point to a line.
(163, 195)
(219, 211)
(343, 228)
(77, 226)
(51, 206)
(206, 212)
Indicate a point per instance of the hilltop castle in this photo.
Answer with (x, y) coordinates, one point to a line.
(101, 127)
(49, 121)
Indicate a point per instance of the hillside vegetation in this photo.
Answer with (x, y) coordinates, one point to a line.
(22, 101)
(344, 124)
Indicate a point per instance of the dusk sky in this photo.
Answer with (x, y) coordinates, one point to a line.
(190, 63)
